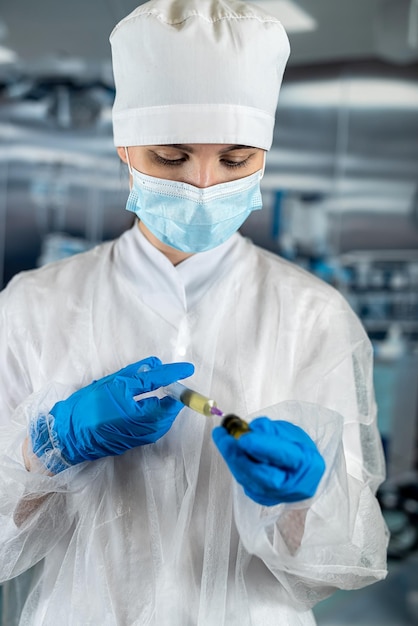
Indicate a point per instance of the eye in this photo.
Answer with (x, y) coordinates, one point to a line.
(168, 162)
(234, 164)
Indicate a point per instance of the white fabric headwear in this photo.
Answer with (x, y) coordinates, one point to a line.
(197, 71)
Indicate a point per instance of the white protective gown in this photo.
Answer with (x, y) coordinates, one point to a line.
(163, 535)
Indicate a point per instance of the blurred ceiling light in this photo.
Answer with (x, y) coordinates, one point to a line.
(395, 30)
(297, 181)
(413, 24)
(3, 29)
(68, 65)
(7, 55)
(355, 92)
(293, 18)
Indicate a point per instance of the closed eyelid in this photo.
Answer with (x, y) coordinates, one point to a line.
(167, 155)
(237, 158)
(236, 155)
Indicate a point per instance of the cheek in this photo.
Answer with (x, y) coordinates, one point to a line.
(139, 159)
(141, 164)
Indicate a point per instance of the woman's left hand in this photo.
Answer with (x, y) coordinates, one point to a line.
(274, 462)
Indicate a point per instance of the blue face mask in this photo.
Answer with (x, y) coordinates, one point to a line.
(189, 218)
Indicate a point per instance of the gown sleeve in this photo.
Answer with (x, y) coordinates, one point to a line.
(338, 538)
(35, 508)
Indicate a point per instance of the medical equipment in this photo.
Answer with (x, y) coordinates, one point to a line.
(192, 399)
(196, 401)
(235, 425)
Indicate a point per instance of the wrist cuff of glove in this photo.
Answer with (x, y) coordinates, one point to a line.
(45, 445)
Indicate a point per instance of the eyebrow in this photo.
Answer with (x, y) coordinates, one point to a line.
(187, 148)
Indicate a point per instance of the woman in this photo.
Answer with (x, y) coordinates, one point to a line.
(140, 511)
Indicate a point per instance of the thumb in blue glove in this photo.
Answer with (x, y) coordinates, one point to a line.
(103, 419)
(274, 462)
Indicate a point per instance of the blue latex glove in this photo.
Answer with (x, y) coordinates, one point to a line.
(274, 462)
(102, 419)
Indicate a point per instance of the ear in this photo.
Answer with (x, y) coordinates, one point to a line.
(121, 153)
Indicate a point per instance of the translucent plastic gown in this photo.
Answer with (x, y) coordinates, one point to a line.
(163, 535)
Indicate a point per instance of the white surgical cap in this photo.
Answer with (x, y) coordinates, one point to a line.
(197, 71)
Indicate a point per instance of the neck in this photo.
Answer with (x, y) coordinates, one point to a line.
(173, 255)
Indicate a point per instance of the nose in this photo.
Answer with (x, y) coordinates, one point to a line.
(203, 175)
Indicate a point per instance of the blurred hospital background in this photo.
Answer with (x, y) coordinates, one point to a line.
(340, 193)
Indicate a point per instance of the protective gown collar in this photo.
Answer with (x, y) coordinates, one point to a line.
(172, 291)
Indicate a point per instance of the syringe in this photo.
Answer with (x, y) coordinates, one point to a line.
(192, 399)
(196, 401)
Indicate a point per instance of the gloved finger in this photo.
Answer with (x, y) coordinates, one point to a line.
(277, 442)
(289, 485)
(150, 363)
(235, 458)
(262, 446)
(268, 449)
(154, 409)
(285, 430)
(259, 477)
(162, 375)
(247, 471)
(143, 422)
(269, 485)
(149, 417)
(223, 440)
(265, 483)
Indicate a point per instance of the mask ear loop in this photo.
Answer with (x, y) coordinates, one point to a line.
(128, 161)
(264, 164)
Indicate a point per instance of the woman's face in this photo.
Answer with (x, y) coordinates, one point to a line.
(201, 165)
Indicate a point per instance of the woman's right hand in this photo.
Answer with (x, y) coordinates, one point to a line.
(103, 419)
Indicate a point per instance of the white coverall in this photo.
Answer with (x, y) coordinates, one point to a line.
(163, 535)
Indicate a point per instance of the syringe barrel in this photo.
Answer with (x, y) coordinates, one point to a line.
(190, 398)
(174, 390)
